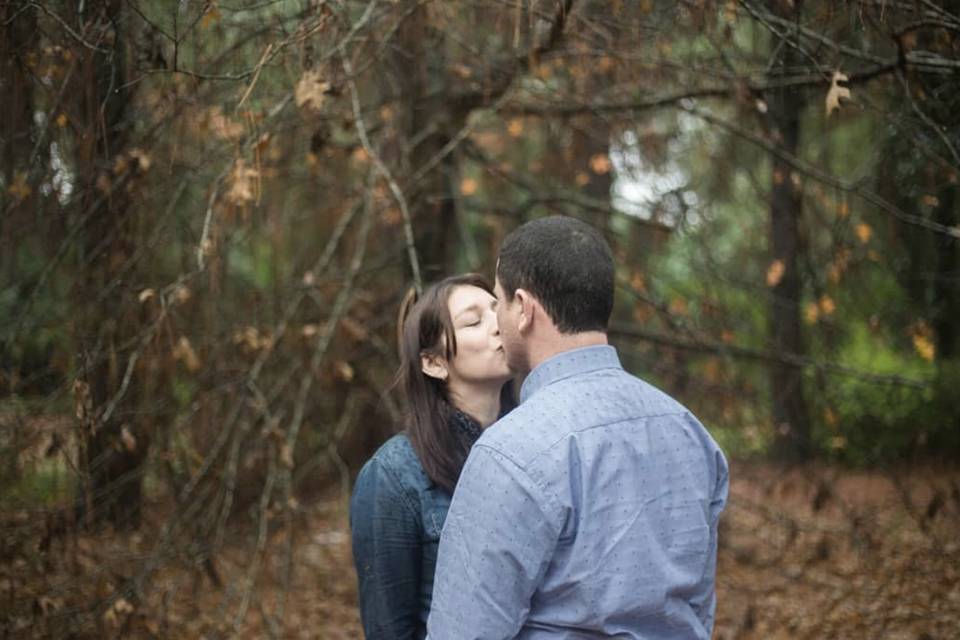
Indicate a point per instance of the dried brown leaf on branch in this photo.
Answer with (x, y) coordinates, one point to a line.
(184, 352)
(600, 164)
(311, 90)
(775, 273)
(222, 125)
(243, 183)
(20, 190)
(286, 456)
(128, 439)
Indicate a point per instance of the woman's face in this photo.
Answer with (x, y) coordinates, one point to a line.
(480, 358)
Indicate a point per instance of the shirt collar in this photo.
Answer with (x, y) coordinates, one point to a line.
(569, 363)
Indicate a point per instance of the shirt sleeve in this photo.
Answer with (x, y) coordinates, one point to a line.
(497, 542)
(706, 607)
(386, 538)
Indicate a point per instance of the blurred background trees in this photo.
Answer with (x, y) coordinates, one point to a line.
(211, 211)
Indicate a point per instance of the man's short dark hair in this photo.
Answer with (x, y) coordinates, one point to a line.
(567, 265)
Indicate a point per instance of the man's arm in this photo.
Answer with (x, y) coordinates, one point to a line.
(497, 542)
(387, 553)
(706, 608)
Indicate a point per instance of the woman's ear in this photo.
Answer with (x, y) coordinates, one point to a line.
(434, 366)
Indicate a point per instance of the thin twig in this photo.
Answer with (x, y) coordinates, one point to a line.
(204, 245)
(78, 37)
(261, 543)
(256, 74)
(938, 130)
(384, 171)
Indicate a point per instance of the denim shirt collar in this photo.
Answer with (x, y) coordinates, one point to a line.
(567, 364)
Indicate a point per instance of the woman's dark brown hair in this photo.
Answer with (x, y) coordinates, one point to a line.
(426, 328)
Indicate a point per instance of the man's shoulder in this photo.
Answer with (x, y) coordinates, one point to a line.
(519, 435)
(574, 404)
(602, 396)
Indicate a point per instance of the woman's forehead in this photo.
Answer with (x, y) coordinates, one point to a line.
(465, 296)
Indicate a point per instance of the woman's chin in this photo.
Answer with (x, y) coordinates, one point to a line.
(505, 372)
(502, 377)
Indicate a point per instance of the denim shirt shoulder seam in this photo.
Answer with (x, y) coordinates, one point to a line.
(398, 485)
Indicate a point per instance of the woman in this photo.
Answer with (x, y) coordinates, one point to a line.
(454, 375)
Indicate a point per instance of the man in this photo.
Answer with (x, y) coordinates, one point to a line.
(591, 510)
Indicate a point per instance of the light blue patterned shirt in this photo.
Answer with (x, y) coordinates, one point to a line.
(590, 511)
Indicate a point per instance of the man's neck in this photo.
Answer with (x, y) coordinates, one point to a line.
(561, 342)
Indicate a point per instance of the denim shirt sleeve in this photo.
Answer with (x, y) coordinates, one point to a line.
(385, 529)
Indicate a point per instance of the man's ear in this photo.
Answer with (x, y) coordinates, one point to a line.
(527, 307)
(434, 366)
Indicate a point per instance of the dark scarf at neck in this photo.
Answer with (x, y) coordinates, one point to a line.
(465, 426)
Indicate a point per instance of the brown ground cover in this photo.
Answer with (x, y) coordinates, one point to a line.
(814, 552)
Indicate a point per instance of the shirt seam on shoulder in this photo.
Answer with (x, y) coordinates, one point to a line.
(560, 439)
(590, 428)
(607, 424)
(556, 506)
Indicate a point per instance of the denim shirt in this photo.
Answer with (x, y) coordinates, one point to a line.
(396, 516)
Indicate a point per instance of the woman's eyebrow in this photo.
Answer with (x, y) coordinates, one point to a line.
(473, 307)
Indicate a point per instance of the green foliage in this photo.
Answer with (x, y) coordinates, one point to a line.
(38, 293)
(252, 263)
(182, 389)
(866, 422)
(46, 485)
(741, 443)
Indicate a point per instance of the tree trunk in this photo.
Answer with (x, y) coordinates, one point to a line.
(16, 127)
(790, 416)
(946, 286)
(425, 125)
(115, 452)
(17, 29)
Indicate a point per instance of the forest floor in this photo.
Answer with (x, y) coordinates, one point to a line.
(815, 552)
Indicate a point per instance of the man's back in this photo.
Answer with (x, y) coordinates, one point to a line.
(589, 511)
